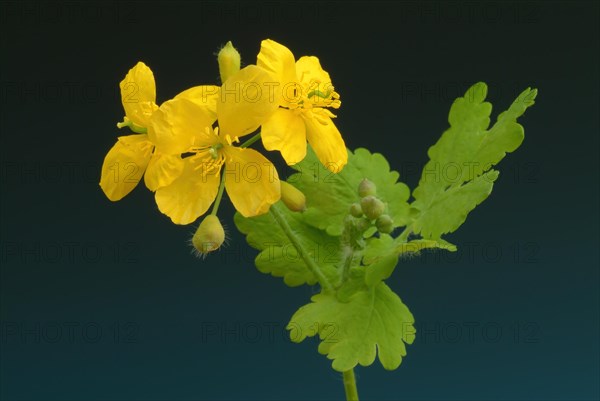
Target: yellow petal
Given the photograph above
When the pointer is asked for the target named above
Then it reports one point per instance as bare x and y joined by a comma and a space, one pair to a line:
205, 96
124, 165
162, 170
247, 100
181, 123
285, 131
138, 94
311, 74
189, 196
278, 60
325, 139
251, 181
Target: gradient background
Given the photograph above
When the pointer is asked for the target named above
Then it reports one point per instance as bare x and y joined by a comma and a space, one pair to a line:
104, 301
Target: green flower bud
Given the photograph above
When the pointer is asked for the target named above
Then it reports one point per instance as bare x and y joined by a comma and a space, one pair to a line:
355, 210
372, 207
366, 188
229, 61
292, 197
209, 236
384, 224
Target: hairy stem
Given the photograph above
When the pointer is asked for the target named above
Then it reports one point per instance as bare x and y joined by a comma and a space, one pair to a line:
304, 254
350, 385
346, 266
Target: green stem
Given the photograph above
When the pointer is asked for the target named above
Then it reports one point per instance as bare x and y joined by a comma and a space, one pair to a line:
128, 123
219, 196
310, 263
350, 385
346, 267
250, 141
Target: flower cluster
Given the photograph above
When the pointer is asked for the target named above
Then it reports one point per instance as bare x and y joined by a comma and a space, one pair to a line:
188, 149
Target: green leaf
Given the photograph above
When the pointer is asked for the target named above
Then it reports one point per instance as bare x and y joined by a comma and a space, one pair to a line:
354, 283
279, 256
418, 245
450, 208
372, 322
380, 270
329, 195
378, 247
454, 180
385, 245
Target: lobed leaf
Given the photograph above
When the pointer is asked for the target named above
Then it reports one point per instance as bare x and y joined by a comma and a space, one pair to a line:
279, 257
451, 184
373, 322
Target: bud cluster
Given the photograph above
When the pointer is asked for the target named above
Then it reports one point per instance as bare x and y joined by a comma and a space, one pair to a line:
370, 209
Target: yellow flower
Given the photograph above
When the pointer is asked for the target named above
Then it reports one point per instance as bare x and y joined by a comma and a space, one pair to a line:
241, 105
132, 155
306, 92
138, 95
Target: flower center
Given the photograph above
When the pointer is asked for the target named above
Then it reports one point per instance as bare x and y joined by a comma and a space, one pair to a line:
208, 157
316, 94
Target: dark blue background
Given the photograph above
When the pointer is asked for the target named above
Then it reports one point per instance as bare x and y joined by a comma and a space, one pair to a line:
105, 301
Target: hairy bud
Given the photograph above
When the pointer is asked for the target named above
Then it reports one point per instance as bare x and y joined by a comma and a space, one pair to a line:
209, 236
366, 188
384, 224
229, 61
355, 210
372, 207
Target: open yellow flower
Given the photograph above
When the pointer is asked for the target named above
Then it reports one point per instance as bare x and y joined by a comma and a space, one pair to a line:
242, 104
134, 156
306, 93
129, 158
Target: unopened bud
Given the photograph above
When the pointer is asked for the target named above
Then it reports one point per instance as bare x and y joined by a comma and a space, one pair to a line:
292, 197
229, 61
209, 236
384, 224
372, 207
355, 210
366, 188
